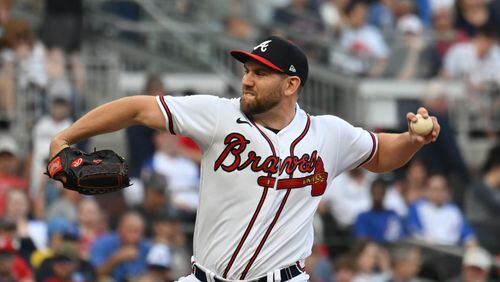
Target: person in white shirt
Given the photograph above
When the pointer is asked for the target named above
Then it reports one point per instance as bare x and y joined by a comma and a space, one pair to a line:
478, 63
43, 131
364, 44
436, 219
349, 196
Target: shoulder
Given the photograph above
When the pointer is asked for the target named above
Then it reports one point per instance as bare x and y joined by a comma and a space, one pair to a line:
329, 120
460, 48
108, 240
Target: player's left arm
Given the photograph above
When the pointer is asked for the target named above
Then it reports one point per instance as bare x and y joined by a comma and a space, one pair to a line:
395, 150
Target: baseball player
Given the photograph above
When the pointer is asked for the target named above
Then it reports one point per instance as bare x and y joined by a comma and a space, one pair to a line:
266, 162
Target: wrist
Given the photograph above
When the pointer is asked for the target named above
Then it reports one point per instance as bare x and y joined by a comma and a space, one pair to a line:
413, 140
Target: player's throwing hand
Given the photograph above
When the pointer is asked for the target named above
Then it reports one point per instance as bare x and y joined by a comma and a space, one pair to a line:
422, 127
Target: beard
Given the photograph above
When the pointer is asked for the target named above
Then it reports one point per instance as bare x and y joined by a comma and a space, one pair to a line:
259, 103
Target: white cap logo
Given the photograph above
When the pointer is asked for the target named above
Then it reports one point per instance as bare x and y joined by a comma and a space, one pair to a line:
263, 46
292, 69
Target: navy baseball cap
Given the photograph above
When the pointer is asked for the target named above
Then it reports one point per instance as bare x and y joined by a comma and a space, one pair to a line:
278, 54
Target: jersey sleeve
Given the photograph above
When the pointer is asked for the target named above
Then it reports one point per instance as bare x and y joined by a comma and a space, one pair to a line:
356, 146
192, 116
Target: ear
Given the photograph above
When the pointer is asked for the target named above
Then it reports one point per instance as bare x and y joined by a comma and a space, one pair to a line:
292, 85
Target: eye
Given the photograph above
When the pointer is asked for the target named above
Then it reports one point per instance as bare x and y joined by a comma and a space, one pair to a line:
260, 72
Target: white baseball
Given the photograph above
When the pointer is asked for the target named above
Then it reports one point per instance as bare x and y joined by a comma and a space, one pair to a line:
423, 126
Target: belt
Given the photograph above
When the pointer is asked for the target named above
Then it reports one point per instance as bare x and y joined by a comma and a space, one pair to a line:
287, 273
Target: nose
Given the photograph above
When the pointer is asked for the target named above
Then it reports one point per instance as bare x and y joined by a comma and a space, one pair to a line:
247, 79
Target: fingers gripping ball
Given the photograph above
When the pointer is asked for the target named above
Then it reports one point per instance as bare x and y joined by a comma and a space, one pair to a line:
423, 126
96, 173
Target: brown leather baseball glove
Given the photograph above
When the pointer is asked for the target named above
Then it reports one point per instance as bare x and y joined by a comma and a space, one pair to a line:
96, 173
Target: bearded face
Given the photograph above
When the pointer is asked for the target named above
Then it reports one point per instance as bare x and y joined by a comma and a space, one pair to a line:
261, 89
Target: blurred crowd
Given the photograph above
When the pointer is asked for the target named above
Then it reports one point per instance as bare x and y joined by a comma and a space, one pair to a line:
396, 39
368, 227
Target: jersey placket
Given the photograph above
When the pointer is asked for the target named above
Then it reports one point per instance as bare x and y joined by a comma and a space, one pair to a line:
275, 186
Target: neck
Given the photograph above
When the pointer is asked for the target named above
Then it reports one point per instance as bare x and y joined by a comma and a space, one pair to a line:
278, 117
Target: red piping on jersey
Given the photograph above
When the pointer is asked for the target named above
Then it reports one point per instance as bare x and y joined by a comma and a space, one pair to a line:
374, 146
266, 235
169, 115
298, 139
247, 231
256, 212
283, 202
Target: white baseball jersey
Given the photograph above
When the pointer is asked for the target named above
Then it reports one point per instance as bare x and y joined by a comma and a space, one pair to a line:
259, 190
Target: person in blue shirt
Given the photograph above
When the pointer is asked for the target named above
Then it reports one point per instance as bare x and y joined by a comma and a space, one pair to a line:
436, 219
122, 254
379, 224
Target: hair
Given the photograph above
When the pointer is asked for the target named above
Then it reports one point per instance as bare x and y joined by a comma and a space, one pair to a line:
402, 252
352, 4
488, 30
17, 31
359, 247
343, 262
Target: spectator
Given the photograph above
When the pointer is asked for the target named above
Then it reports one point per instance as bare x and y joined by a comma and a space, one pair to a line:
43, 131
182, 173
156, 200
408, 59
349, 195
65, 207
332, 14
6, 75
65, 265
90, 222
140, 146
470, 15
364, 44
436, 219
443, 37
379, 224
406, 261
443, 155
122, 255
12, 267
159, 263
59, 231
483, 202
415, 180
17, 208
478, 63
168, 234
372, 262
476, 266
9, 162
25, 52
344, 269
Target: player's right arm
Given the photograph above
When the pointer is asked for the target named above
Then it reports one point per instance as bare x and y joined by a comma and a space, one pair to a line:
111, 117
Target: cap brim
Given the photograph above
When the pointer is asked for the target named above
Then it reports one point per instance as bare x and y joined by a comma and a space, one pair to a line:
243, 57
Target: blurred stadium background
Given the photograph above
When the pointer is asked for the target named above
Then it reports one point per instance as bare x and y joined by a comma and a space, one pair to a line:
371, 61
